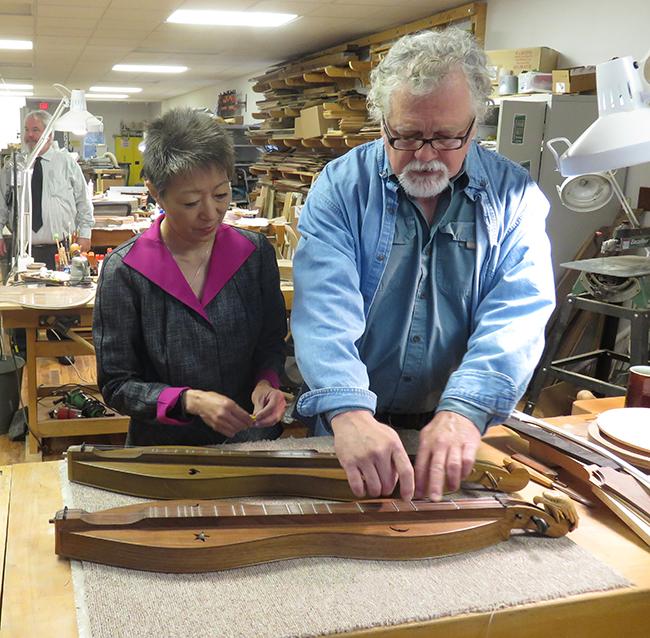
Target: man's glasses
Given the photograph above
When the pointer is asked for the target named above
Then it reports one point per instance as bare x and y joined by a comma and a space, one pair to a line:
439, 143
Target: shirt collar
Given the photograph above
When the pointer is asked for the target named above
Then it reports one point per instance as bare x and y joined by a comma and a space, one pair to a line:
48, 155
150, 257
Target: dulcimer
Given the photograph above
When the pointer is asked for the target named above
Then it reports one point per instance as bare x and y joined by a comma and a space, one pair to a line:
174, 472
200, 536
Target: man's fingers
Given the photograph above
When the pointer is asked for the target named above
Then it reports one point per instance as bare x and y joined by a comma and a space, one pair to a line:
405, 474
371, 479
468, 458
356, 481
453, 468
437, 474
385, 473
422, 462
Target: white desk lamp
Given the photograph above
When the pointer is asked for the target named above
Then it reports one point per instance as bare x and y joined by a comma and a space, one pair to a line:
78, 121
620, 137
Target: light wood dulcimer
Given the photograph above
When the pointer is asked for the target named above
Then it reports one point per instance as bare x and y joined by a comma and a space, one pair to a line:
199, 536
174, 472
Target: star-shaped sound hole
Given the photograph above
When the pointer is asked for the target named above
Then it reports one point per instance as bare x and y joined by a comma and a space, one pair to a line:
201, 536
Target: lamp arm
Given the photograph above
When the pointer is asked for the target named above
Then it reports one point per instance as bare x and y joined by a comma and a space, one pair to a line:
623, 201
549, 145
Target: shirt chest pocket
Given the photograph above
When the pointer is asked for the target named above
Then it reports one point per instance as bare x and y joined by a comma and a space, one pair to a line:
456, 257
404, 230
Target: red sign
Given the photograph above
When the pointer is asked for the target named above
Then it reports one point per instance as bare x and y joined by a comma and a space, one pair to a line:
43, 106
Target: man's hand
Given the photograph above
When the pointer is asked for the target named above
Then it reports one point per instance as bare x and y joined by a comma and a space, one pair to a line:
3, 247
84, 244
448, 447
219, 412
372, 455
269, 404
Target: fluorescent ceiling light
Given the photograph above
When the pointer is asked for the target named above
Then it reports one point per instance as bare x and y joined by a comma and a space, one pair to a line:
106, 96
115, 89
6, 86
231, 18
149, 68
16, 44
16, 93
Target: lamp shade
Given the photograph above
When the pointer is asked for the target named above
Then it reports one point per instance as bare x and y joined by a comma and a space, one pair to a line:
586, 193
78, 120
621, 134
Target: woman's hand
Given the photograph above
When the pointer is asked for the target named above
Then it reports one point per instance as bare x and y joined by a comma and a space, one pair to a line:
219, 412
269, 404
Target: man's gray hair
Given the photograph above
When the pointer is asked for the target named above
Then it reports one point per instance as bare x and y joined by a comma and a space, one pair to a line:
183, 140
43, 116
419, 62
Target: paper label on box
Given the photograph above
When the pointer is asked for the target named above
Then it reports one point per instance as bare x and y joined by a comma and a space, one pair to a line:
560, 87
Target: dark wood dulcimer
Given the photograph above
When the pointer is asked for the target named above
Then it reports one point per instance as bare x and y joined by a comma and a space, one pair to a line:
200, 536
174, 472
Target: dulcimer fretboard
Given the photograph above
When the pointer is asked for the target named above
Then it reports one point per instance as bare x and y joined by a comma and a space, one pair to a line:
245, 514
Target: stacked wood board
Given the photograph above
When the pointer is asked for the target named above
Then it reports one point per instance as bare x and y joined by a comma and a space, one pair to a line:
336, 82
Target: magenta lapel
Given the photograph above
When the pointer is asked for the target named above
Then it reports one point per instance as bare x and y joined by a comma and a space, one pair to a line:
229, 252
151, 258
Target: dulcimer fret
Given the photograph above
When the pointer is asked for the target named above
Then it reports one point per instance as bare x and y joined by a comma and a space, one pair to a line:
219, 514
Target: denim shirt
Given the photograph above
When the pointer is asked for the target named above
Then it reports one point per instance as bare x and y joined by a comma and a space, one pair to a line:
348, 226
409, 355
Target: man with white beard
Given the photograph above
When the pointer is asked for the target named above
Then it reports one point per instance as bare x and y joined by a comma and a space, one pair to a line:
423, 279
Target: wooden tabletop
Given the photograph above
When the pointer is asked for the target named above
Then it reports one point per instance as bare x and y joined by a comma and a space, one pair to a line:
38, 597
53, 297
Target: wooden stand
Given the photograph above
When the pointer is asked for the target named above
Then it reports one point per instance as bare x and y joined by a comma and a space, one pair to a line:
40, 426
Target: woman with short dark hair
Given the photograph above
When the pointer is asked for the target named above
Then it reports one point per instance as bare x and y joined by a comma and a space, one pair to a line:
189, 322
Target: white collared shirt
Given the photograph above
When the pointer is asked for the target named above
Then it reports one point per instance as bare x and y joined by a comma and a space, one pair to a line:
65, 202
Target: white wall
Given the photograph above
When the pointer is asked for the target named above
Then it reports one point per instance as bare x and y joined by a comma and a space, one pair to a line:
116, 112
10, 124
583, 31
207, 97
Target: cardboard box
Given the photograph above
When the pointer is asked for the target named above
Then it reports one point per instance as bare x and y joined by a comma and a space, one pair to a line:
311, 122
578, 79
518, 60
535, 82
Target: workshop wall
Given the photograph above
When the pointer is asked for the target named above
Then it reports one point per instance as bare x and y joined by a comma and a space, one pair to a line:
585, 32
207, 96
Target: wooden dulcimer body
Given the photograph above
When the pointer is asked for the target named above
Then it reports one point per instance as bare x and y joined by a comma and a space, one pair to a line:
198, 536
176, 472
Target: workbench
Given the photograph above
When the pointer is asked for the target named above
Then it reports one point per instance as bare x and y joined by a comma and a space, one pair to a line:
38, 596
15, 315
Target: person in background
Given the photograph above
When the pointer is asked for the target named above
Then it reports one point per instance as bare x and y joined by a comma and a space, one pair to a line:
60, 202
189, 324
423, 278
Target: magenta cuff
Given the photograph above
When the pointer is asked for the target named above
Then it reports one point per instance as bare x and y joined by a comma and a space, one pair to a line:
167, 401
268, 375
